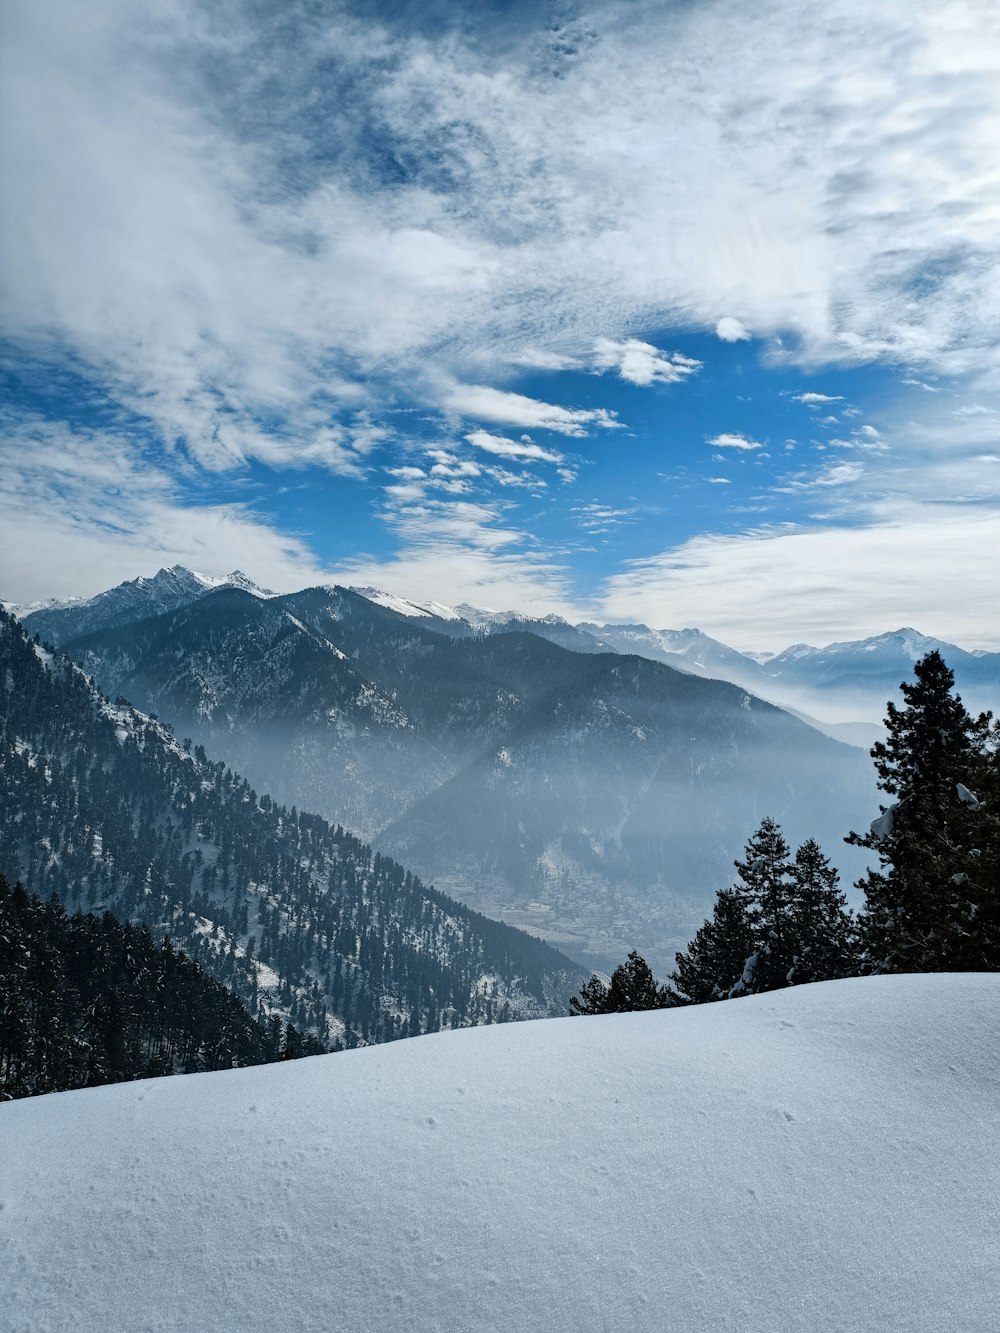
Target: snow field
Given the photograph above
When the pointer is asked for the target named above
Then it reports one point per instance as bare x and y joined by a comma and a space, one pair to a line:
824, 1158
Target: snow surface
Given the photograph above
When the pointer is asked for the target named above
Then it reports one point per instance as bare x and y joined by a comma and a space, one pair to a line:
825, 1158
404, 607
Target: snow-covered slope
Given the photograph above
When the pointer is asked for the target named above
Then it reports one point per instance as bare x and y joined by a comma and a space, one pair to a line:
404, 607
822, 1158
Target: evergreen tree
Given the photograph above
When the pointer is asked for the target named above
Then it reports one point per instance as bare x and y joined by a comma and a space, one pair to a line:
714, 960
822, 930
932, 904
781, 924
633, 988
86, 1000
767, 888
593, 998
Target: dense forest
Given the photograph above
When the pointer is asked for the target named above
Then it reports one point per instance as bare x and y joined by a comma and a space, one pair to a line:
103, 807
931, 905
90, 999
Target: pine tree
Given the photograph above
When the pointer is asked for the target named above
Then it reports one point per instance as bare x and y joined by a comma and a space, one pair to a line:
931, 906
593, 998
822, 930
714, 960
767, 888
633, 988
781, 924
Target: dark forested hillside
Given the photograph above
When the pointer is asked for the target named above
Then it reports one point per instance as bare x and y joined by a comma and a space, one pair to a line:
102, 806
595, 797
88, 999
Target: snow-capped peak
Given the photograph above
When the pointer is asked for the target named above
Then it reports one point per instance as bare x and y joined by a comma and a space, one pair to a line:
404, 607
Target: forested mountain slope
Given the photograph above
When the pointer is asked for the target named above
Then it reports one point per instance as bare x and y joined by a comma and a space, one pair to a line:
102, 806
90, 999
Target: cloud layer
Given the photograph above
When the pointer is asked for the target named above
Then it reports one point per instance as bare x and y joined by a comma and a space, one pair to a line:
196, 209
269, 236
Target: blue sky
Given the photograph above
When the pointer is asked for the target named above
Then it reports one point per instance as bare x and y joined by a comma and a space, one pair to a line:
675, 313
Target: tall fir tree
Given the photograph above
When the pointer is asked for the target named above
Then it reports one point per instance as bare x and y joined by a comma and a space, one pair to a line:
932, 904
783, 923
767, 886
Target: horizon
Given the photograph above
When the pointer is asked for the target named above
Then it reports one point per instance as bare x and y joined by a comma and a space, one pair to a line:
434, 606
676, 315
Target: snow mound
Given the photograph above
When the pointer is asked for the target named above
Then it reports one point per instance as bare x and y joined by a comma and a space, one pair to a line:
822, 1158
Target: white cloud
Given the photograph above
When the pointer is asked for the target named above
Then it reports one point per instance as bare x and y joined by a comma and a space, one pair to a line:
731, 330
266, 263
925, 565
504, 447
596, 517
641, 363
90, 511
816, 399
521, 480
719, 481
537, 358
516, 409
729, 440
244, 260
463, 550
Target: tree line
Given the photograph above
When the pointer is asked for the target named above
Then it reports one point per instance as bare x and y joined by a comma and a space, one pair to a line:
932, 904
89, 999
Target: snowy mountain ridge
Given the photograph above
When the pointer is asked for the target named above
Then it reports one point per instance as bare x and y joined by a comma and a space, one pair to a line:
57, 621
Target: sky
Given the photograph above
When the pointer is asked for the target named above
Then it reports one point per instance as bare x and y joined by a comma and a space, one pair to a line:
684, 313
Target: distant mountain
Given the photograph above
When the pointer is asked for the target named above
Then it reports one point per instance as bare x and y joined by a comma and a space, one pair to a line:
102, 806
577, 638
55, 622
596, 799
857, 677
843, 683
686, 649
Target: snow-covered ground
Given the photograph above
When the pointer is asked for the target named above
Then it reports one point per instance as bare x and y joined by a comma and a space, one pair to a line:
821, 1159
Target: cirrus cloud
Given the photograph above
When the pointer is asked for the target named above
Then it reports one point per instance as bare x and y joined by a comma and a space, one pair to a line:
516, 409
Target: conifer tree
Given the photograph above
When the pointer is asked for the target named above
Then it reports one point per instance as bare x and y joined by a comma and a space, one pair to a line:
714, 960
767, 887
633, 988
781, 924
822, 930
931, 906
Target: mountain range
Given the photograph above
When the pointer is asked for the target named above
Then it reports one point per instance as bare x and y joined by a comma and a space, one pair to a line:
595, 797
102, 806
840, 688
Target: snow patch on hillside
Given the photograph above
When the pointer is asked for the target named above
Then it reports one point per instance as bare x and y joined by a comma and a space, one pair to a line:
404, 607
